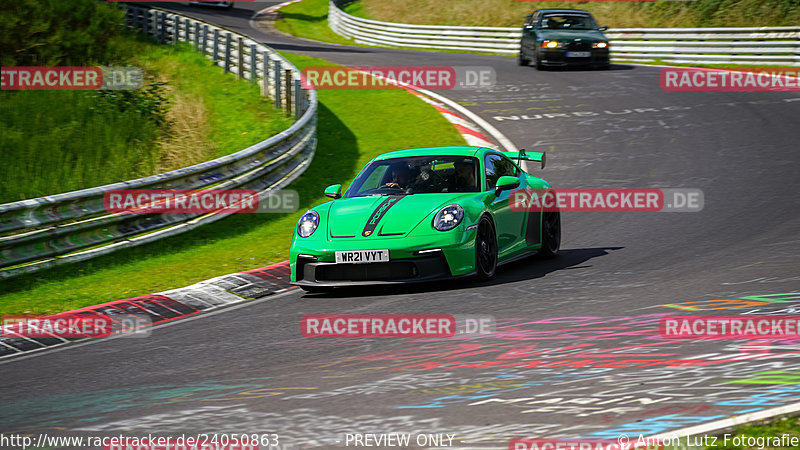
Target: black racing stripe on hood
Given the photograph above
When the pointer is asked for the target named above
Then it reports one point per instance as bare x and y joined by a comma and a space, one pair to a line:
378, 214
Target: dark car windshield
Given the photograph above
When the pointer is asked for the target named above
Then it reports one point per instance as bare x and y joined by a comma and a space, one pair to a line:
417, 175
565, 21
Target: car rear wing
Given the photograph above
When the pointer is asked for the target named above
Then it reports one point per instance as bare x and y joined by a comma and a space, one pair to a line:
522, 155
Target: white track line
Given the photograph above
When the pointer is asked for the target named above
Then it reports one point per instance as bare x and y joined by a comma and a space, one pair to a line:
730, 422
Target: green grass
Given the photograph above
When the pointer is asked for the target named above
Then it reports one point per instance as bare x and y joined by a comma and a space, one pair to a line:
509, 13
768, 429
238, 116
353, 127
60, 141
309, 19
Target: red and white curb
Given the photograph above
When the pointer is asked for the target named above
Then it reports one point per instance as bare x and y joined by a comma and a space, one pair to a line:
472, 133
276, 7
163, 307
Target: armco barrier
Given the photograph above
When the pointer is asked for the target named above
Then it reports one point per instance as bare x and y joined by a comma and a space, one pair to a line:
749, 46
42, 232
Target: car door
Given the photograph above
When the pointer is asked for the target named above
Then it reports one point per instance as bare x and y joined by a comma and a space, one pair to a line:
510, 226
529, 33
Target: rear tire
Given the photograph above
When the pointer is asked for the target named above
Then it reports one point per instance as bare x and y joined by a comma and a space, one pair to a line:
551, 235
485, 250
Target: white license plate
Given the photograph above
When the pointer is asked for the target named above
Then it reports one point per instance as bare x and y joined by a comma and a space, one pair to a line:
579, 54
362, 256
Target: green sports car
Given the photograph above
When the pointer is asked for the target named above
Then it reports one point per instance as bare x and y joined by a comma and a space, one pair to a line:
420, 215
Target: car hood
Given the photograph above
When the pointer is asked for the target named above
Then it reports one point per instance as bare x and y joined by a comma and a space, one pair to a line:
564, 35
392, 216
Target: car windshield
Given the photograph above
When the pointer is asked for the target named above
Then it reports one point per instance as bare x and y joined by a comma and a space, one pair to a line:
416, 175
568, 22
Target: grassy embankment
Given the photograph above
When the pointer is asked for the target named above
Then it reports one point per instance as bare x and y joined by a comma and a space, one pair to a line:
353, 127
198, 114
59, 141
511, 13
309, 18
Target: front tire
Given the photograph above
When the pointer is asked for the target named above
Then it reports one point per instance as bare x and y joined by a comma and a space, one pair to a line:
485, 250
551, 235
522, 60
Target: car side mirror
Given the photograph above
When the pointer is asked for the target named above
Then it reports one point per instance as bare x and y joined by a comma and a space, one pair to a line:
603, 28
334, 191
505, 183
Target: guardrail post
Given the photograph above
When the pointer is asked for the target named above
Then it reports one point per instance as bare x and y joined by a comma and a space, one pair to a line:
204, 41
162, 32
265, 72
277, 80
228, 44
240, 59
253, 64
298, 99
215, 56
287, 81
197, 37
176, 29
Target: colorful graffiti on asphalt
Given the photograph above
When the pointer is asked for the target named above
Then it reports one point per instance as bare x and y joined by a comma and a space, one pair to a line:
609, 375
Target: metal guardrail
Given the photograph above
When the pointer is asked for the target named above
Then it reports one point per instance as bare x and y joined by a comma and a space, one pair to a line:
373, 32
755, 45
56, 229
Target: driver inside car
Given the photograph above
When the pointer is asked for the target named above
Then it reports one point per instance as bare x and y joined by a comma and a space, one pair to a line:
400, 177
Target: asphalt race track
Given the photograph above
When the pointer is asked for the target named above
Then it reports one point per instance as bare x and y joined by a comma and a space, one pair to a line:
577, 350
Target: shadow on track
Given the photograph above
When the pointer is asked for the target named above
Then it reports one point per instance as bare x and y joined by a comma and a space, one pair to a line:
528, 268
612, 68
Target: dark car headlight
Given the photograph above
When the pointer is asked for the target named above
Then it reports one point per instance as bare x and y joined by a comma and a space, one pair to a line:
308, 224
552, 44
600, 45
448, 218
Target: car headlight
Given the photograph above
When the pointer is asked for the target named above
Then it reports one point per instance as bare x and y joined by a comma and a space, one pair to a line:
552, 44
308, 224
600, 45
448, 218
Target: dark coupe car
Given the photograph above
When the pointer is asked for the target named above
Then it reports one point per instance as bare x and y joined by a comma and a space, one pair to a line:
563, 37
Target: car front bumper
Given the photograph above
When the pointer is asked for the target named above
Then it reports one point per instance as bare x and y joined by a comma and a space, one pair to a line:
558, 58
435, 257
